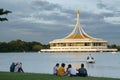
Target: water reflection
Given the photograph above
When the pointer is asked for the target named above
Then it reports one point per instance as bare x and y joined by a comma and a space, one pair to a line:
89, 65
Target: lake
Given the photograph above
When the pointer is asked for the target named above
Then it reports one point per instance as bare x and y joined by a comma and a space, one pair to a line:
106, 64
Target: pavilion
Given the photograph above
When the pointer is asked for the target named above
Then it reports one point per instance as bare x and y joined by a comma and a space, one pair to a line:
78, 41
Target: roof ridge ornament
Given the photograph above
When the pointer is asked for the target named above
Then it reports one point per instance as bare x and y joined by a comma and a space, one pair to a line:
78, 32
78, 11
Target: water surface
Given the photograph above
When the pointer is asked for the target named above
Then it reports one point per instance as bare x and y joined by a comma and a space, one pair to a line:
106, 64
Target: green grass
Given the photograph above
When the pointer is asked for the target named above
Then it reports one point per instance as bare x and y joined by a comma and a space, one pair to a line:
37, 76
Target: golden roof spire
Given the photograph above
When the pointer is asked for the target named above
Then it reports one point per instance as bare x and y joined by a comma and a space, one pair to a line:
78, 11
78, 32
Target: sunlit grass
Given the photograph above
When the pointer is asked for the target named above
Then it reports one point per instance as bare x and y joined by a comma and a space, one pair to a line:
37, 76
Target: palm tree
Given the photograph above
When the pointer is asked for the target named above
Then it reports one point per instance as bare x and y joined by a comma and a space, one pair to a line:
3, 12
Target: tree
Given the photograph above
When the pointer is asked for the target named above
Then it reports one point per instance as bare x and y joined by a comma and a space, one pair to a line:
3, 12
37, 47
21, 46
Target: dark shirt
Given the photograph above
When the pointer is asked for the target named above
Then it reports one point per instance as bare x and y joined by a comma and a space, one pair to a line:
82, 72
12, 67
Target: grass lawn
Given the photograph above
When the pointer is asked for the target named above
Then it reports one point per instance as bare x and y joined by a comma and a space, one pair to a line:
38, 76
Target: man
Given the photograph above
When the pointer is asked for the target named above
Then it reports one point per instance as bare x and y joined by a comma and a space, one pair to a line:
82, 71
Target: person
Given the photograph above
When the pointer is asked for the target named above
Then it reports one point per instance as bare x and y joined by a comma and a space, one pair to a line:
91, 56
55, 69
82, 71
61, 70
71, 71
12, 67
18, 67
87, 57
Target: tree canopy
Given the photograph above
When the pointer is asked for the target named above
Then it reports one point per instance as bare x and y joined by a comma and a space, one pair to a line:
21, 46
4, 12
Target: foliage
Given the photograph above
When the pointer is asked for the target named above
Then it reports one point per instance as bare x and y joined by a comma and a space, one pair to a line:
3, 12
37, 76
37, 47
114, 46
21, 46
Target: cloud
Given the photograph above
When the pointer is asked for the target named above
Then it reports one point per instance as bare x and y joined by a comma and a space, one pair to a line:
41, 14
112, 20
109, 12
101, 5
44, 5
43, 21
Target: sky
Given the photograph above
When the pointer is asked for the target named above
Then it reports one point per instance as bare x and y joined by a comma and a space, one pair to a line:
46, 20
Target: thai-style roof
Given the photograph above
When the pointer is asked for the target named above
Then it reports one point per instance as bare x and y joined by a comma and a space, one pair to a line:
78, 32
77, 36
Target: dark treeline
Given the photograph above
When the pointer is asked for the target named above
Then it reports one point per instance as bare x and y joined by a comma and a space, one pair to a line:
21, 46
114, 46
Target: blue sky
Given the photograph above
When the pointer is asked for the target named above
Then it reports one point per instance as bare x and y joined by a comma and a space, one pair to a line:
46, 20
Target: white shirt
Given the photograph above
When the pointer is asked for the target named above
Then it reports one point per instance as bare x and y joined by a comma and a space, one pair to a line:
55, 69
72, 71
16, 68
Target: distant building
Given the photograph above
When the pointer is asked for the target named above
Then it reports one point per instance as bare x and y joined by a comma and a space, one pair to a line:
78, 41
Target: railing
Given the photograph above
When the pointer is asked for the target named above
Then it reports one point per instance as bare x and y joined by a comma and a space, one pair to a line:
80, 47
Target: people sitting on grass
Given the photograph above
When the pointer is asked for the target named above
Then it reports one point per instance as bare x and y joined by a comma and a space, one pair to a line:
70, 71
55, 69
82, 71
16, 67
